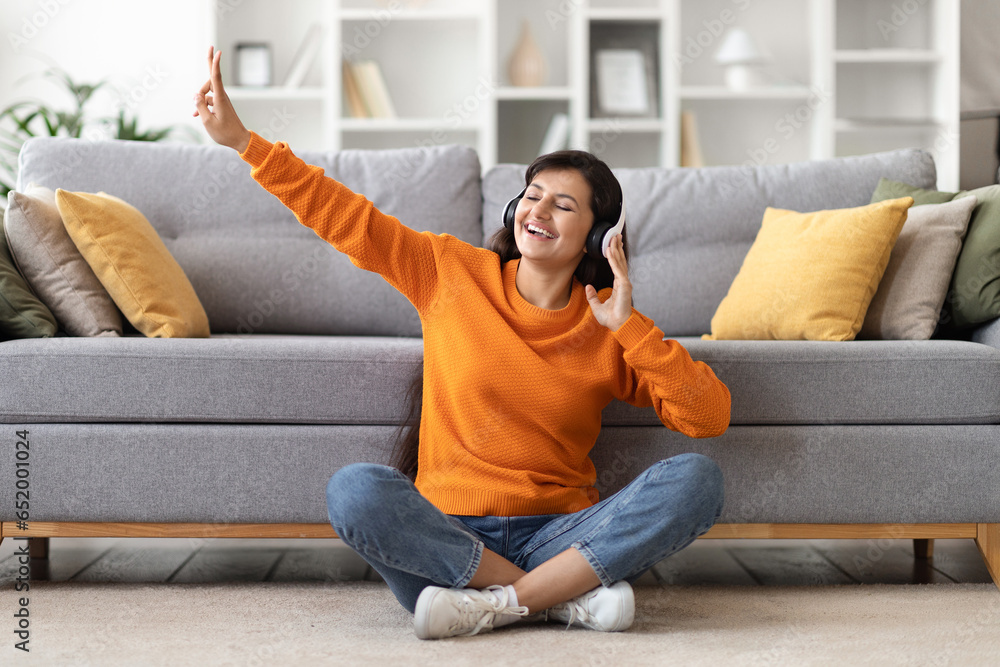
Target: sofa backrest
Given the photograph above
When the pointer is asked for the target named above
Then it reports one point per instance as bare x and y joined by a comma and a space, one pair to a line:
690, 229
254, 267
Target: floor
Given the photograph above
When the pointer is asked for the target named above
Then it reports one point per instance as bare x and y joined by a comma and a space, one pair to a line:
718, 562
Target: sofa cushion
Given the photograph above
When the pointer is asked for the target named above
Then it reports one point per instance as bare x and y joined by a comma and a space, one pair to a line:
974, 292
133, 265
689, 229
227, 378
811, 276
889, 189
854, 382
254, 267
245, 473
910, 295
52, 264
363, 380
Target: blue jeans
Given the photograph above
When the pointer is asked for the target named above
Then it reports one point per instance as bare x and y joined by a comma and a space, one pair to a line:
380, 514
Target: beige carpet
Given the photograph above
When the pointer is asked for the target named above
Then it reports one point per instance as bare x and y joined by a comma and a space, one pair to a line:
361, 623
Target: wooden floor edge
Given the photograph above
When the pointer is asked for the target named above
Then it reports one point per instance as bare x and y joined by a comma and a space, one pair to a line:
323, 530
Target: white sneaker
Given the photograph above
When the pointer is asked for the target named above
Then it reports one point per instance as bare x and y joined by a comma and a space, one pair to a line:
610, 609
452, 612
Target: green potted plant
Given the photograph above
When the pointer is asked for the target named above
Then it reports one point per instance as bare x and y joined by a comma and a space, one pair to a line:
22, 120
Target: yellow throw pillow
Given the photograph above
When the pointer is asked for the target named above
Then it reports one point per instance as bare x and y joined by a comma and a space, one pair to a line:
810, 276
133, 264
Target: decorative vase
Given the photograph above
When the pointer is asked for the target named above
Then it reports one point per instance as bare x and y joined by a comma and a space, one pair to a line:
526, 66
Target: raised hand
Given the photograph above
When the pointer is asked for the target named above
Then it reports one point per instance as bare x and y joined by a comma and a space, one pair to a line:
614, 312
216, 111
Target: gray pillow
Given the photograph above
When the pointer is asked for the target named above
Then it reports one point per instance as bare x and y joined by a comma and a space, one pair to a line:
913, 288
57, 272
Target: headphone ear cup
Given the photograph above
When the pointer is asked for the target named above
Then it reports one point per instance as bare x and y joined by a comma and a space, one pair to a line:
596, 238
510, 209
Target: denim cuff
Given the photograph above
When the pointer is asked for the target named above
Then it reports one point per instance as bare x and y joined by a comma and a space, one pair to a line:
594, 563
476, 559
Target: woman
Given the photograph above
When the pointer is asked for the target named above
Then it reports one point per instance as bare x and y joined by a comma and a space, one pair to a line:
520, 357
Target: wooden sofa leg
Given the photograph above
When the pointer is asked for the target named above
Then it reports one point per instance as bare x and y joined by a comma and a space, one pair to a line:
923, 549
988, 541
38, 547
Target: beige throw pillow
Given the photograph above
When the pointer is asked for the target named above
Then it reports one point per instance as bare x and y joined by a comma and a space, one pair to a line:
51, 263
132, 262
911, 294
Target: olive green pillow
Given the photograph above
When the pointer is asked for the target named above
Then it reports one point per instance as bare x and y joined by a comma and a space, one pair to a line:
887, 189
22, 315
974, 291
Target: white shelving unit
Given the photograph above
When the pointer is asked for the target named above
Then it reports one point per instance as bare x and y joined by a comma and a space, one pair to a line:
846, 77
897, 80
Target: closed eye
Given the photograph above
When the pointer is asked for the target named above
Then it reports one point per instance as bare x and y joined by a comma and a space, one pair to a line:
564, 208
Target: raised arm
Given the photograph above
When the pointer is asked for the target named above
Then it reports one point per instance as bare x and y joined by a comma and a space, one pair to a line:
348, 221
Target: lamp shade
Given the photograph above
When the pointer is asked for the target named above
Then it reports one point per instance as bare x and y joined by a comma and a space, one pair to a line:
738, 48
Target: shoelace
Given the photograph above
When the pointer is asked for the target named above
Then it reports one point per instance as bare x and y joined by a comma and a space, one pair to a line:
577, 610
470, 607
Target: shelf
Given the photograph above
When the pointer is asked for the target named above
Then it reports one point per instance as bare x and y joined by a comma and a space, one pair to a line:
624, 14
534, 93
274, 93
463, 12
625, 124
839, 80
403, 125
723, 93
917, 56
886, 124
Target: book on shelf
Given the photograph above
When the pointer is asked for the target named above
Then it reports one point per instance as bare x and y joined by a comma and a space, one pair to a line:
557, 134
305, 56
352, 94
366, 76
690, 143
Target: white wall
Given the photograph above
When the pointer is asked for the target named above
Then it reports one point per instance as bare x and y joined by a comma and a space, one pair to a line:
153, 53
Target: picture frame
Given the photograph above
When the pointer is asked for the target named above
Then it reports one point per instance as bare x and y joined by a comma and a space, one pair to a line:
624, 70
253, 64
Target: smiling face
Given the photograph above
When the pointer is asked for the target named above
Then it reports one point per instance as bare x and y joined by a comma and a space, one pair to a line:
554, 217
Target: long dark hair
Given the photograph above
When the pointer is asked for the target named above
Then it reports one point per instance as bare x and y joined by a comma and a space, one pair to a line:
605, 202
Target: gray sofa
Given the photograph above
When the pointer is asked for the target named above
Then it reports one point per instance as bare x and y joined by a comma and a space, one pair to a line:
310, 357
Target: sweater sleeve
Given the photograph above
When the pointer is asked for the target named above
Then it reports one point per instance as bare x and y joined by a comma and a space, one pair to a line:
348, 221
686, 394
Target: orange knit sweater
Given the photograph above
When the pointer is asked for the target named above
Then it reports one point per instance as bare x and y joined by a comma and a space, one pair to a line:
513, 393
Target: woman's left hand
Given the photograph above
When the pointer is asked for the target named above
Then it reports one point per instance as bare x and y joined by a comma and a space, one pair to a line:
614, 312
